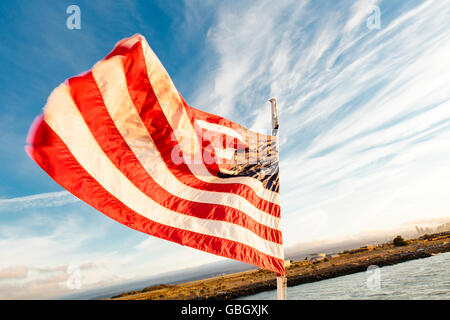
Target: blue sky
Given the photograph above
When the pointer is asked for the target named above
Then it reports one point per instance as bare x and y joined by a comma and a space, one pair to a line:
364, 116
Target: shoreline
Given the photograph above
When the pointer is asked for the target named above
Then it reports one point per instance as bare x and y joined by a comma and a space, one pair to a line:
247, 283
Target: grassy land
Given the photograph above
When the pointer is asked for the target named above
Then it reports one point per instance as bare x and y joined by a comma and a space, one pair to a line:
254, 281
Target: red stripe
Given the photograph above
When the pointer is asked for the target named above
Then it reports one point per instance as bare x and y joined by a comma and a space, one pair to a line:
53, 156
150, 111
212, 118
88, 98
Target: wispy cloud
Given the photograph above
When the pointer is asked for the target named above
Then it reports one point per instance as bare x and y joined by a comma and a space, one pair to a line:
19, 272
42, 200
364, 114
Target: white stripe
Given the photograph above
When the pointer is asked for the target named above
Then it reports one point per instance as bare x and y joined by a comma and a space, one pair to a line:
220, 129
110, 78
178, 119
62, 115
227, 153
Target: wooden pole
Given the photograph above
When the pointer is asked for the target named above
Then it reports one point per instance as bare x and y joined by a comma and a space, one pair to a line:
281, 280
273, 101
281, 287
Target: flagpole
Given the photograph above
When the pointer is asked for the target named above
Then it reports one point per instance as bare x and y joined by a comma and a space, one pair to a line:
273, 101
281, 279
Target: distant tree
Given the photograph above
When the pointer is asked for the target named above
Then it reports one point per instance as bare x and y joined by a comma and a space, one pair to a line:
399, 241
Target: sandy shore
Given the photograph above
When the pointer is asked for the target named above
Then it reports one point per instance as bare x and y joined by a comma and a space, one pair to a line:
255, 281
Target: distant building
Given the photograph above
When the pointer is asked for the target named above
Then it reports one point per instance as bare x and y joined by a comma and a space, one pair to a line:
287, 263
365, 248
369, 247
316, 257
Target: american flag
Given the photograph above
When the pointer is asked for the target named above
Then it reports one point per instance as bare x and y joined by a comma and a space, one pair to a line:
121, 138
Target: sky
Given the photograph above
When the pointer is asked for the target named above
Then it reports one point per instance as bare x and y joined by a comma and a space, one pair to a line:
363, 90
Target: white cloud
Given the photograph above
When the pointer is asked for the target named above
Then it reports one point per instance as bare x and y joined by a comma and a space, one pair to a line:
18, 272
42, 200
353, 104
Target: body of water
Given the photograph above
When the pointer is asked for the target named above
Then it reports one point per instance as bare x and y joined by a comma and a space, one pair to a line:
427, 278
